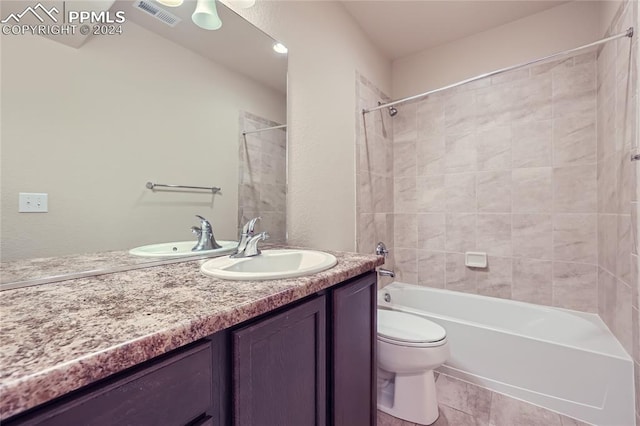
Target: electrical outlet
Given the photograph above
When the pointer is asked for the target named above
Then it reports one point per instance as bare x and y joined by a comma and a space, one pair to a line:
29, 202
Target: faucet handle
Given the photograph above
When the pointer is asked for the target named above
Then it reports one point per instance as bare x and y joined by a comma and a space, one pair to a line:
196, 230
249, 227
204, 223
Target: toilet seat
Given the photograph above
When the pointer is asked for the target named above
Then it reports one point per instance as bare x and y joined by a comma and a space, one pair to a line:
400, 328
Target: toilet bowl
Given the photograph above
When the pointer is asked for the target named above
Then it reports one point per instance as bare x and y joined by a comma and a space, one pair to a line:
409, 349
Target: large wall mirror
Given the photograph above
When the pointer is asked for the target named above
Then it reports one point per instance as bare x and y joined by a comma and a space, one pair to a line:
89, 119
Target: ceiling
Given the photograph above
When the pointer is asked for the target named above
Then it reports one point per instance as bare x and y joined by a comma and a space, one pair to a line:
401, 28
238, 45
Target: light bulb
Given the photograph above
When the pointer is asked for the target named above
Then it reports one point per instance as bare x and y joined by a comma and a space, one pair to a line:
171, 3
280, 48
243, 4
206, 15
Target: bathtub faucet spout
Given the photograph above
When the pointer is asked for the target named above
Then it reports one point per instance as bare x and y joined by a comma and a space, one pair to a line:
386, 273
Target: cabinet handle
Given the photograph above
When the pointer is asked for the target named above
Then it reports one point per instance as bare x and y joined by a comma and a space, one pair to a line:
203, 421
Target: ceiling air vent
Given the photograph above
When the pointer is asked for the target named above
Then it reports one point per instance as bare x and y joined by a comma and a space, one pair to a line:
157, 12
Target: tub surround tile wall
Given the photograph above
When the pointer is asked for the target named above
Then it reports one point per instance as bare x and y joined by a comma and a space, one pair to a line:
262, 183
506, 165
465, 404
618, 187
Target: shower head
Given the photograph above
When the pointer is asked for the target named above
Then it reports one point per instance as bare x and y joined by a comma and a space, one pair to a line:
392, 110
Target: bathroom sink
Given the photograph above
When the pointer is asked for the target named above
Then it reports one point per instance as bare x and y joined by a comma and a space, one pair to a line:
270, 265
182, 248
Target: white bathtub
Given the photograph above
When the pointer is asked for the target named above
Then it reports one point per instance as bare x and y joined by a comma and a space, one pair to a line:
565, 361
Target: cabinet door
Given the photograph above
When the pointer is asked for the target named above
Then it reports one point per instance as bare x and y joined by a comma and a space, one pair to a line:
353, 356
172, 390
280, 368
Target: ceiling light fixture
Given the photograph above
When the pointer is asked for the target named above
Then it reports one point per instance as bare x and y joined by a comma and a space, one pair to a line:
206, 15
280, 48
171, 3
243, 4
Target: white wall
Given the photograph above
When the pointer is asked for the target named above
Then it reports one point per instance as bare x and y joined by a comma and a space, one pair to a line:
566, 26
326, 47
91, 126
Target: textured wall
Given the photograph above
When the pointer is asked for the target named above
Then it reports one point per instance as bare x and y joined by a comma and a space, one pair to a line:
91, 126
326, 48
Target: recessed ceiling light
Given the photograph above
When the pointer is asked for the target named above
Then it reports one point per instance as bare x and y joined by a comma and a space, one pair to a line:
280, 48
171, 3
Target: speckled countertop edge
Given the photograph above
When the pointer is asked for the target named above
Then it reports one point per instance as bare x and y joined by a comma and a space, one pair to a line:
56, 338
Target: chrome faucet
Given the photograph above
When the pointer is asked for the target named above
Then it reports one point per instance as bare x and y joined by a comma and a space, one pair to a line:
251, 248
248, 231
206, 240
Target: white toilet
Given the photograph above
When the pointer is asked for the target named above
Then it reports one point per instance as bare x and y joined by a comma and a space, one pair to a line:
409, 349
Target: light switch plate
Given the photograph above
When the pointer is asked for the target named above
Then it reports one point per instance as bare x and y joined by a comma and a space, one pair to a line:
30, 202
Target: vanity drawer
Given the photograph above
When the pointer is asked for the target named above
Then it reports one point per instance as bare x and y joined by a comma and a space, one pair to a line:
174, 390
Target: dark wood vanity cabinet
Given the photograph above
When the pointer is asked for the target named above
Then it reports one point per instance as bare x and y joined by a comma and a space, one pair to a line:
279, 373
308, 363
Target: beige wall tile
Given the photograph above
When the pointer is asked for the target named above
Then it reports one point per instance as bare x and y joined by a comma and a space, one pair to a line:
606, 297
430, 156
492, 110
532, 281
574, 90
405, 123
404, 199
532, 190
622, 325
431, 194
460, 153
494, 234
460, 192
496, 279
532, 236
607, 242
575, 286
574, 189
532, 144
406, 265
574, 140
430, 120
623, 252
494, 191
460, 232
531, 101
459, 277
459, 113
404, 158
606, 184
431, 268
431, 231
575, 238
494, 148
406, 231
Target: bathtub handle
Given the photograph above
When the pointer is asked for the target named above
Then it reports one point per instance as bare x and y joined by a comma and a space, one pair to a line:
381, 249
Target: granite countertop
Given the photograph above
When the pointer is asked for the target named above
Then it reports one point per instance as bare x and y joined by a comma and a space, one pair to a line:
55, 338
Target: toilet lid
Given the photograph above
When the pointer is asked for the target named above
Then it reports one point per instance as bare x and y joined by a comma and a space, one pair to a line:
408, 328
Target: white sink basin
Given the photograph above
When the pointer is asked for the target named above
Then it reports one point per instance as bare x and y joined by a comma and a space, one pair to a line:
182, 248
270, 265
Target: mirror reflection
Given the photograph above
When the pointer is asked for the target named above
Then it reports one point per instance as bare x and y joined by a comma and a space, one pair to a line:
89, 120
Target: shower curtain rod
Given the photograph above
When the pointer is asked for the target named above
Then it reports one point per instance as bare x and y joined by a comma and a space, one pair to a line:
246, 132
627, 33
